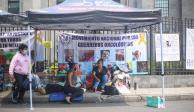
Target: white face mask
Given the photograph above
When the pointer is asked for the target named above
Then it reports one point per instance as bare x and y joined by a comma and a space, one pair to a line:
25, 52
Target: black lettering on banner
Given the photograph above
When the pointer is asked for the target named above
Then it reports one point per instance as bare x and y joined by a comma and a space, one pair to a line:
130, 44
126, 37
115, 44
134, 37
111, 38
87, 44
79, 44
85, 38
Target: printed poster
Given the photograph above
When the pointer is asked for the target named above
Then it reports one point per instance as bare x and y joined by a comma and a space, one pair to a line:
171, 47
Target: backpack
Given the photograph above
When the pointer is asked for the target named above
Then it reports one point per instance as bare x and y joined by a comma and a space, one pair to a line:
110, 90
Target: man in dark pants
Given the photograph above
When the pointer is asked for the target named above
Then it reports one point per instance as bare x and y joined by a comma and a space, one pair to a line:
19, 91
18, 70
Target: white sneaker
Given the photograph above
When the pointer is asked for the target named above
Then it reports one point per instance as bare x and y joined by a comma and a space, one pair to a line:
83, 89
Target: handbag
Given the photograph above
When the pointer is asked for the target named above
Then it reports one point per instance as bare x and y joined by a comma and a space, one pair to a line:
110, 90
89, 81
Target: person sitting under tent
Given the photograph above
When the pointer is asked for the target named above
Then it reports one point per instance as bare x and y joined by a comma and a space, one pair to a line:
38, 87
101, 76
72, 87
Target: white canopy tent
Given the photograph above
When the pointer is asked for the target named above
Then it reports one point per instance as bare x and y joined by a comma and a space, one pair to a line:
94, 14
91, 14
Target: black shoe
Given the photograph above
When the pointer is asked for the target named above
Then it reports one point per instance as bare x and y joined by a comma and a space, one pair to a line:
13, 99
22, 102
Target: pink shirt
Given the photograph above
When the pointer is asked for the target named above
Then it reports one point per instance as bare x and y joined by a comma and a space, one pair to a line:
19, 64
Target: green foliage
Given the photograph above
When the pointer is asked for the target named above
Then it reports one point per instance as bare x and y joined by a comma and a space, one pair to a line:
9, 55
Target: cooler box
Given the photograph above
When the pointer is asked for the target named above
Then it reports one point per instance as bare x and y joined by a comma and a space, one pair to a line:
154, 102
60, 96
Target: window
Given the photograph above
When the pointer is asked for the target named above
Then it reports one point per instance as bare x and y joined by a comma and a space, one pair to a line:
163, 5
60, 1
14, 6
119, 1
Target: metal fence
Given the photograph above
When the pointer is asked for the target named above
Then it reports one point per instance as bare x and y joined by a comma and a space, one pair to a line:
170, 25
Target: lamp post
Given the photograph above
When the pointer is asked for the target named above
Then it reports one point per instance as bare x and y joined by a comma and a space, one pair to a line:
48, 3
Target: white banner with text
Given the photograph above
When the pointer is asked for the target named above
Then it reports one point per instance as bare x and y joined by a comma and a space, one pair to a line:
12, 39
171, 47
190, 49
129, 49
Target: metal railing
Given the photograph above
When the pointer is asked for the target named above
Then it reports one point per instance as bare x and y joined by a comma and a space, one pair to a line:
170, 25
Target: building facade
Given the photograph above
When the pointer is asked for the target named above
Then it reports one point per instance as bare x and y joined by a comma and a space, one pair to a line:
170, 8
20, 6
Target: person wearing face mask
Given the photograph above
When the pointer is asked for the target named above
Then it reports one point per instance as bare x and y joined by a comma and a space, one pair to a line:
18, 71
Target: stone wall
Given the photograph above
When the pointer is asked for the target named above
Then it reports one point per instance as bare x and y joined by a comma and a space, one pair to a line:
155, 81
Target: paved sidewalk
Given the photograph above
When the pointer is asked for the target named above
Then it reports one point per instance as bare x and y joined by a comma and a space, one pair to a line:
171, 94
167, 91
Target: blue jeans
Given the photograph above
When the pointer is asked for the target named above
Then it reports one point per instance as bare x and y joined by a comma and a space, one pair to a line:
102, 82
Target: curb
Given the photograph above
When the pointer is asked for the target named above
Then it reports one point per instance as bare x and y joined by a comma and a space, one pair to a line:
97, 98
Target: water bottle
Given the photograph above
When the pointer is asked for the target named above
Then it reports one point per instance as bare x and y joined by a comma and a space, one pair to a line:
135, 86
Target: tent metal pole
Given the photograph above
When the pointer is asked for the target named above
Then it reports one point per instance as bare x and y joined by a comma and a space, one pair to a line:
35, 51
30, 74
162, 64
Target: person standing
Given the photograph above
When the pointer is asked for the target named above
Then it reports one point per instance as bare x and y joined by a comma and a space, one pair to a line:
18, 71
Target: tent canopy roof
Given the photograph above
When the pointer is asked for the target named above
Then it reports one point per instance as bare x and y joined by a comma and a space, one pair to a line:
3, 13
7, 19
92, 14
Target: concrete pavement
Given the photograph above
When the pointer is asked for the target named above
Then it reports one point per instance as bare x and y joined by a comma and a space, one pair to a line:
171, 94
171, 106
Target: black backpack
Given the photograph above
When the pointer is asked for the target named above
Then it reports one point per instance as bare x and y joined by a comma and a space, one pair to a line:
110, 90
